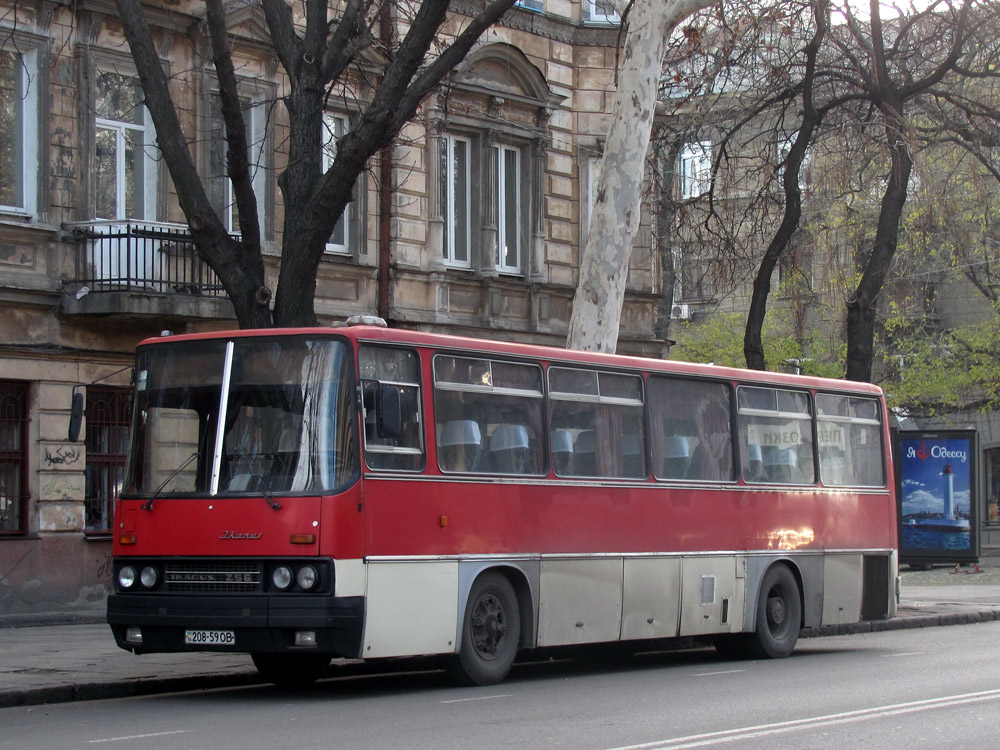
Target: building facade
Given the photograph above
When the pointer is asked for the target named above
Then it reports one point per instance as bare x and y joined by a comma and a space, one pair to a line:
488, 195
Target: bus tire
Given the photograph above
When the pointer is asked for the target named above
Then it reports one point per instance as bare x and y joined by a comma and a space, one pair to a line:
491, 632
779, 614
290, 670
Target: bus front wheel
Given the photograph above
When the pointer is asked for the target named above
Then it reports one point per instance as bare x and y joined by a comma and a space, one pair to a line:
491, 631
779, 614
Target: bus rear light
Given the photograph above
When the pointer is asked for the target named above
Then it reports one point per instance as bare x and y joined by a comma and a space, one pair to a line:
126, 539
133, 635
302, 539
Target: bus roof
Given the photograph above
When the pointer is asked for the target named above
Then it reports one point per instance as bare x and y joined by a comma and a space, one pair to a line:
369, 333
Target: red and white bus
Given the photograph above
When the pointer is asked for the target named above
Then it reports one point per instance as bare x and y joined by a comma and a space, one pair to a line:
364, 492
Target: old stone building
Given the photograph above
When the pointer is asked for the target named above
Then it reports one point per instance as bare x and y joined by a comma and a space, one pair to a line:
488, 194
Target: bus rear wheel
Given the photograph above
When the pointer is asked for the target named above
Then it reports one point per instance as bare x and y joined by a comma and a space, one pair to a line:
290, 670
779, 614
491, 632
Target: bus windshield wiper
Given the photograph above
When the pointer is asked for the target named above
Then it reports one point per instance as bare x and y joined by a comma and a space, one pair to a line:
148, 505
267, 491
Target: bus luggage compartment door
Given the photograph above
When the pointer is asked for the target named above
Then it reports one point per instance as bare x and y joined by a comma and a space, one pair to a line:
712, 595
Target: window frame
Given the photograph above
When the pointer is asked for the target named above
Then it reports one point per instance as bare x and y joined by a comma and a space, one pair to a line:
694, 168
27, 53
503, 197
256, 101
14, 415
417, 455
335, 126
101, 495
598, 399
148, 209
487, 387
590, 14
723, 387
848, 420
743, 425
448, 196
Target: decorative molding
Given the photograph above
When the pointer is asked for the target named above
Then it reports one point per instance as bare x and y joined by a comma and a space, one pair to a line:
547, 26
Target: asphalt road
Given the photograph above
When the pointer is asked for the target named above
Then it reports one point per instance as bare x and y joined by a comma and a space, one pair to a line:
923, 688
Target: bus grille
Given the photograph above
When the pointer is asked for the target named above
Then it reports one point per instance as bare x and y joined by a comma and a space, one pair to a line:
215, 576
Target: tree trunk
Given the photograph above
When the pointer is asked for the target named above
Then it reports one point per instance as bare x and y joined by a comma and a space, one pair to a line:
600, 293
753, 344
862, 306
241, 272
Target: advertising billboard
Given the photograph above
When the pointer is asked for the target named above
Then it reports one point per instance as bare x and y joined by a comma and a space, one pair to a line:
937, 494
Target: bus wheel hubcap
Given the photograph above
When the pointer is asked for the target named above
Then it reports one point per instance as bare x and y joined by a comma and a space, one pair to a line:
488, 626
775, 611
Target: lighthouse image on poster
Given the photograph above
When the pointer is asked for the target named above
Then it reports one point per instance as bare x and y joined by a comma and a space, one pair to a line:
936, 494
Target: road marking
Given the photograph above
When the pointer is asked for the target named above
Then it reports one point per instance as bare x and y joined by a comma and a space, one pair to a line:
904, 653
140, 736
712, 674
479, 698
781, 727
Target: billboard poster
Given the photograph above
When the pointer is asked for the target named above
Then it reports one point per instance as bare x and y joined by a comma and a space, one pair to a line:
936, 491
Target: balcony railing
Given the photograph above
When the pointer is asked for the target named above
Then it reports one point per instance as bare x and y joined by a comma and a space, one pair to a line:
158, 258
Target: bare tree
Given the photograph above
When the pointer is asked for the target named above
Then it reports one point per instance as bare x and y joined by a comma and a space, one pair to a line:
314, 56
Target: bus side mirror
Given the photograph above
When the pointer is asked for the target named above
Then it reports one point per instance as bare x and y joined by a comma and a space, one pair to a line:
75, 416
389, 416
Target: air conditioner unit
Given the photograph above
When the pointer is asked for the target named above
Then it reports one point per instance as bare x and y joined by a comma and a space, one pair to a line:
681, 312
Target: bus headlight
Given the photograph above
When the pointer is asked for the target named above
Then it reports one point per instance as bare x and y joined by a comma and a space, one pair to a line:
306, 577
149, 577
282, 577
126, 577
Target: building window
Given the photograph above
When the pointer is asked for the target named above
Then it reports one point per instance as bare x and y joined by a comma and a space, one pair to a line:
456, 182
220, 187
599, 11
125, 153
336, 126
107, 447
529, 4
694, 167
18, 131
508, 192
13, 457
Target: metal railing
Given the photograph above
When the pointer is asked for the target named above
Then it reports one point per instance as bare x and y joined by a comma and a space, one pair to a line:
160, 258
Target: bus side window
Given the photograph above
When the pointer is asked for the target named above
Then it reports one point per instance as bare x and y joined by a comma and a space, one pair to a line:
776, 424
849, 431
691, 429
488, 415
603, 412
390, 398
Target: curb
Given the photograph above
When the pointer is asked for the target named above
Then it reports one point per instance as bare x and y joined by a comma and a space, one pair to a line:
95, 691
154, 686
905, 622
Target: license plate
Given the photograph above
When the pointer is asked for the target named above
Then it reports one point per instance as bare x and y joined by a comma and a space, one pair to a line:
209, 638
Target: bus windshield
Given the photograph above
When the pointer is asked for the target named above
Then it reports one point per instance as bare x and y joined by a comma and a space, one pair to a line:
244, 416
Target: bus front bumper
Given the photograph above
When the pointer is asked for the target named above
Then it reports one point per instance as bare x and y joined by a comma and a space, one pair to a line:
240, 624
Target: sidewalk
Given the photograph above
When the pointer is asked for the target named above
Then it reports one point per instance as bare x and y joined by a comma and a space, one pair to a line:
59, 663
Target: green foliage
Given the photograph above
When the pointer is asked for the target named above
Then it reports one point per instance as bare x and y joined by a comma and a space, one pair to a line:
719, 340
933, 374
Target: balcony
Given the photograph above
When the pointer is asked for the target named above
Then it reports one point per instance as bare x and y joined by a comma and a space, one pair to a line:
145, 270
